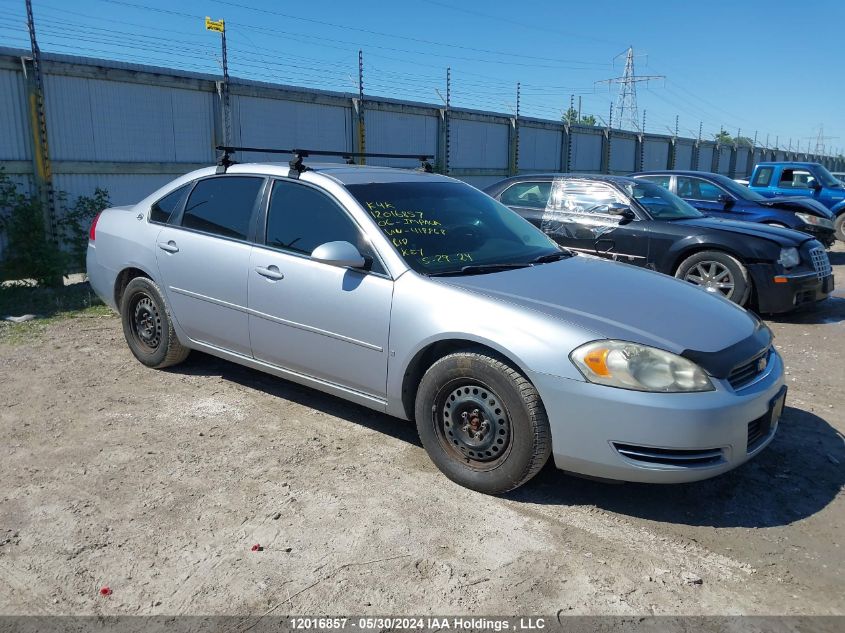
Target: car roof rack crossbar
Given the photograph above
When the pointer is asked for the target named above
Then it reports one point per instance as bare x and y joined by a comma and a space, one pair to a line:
296, 164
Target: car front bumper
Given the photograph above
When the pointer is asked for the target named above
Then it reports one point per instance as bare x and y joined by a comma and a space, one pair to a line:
659, 437
799, 290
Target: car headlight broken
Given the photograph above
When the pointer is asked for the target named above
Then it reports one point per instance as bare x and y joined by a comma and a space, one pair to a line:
639, 367
789, 257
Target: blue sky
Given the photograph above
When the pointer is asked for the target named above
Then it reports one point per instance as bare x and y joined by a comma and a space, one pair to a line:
773, 67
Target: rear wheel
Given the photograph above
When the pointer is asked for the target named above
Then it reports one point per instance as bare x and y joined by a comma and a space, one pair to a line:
147, 325
481, 422
839, 225
717, 272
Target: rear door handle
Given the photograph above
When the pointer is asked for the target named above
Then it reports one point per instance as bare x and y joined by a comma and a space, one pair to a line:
170, 246
271, 272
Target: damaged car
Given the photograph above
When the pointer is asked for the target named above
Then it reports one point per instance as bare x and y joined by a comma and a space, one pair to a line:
767, 268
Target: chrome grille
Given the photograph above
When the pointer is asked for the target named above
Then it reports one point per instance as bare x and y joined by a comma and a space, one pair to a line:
747, 372
821, 263
682, 458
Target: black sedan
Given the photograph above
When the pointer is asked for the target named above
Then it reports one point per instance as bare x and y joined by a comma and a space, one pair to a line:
721, 197
768, 268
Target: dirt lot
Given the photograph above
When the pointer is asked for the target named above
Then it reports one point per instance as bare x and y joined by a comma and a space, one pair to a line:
157, 484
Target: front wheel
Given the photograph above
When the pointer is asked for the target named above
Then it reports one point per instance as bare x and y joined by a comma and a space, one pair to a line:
148, 327
839, 226
482, 422
717, 272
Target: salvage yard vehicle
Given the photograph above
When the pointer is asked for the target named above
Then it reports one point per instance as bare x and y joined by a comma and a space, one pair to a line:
720, 197
768, 268
419, 296
775, 179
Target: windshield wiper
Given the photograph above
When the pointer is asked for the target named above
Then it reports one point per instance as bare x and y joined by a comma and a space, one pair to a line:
552, 257
479, 269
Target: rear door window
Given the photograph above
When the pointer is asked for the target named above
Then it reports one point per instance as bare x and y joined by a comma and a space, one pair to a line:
222, 206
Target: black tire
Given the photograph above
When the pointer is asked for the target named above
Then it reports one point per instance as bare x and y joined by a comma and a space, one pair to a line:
727, 270
148, 327
839, 227
512, 440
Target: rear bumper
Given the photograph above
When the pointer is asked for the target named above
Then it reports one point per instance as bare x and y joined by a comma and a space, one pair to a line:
100, 278
603, 432
800, 289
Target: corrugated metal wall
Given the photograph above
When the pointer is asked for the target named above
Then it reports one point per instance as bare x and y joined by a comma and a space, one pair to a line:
478, 144
623, 154
585, 151
539, 148
15, 142
390, 132
265, 122
684, 154
655, 153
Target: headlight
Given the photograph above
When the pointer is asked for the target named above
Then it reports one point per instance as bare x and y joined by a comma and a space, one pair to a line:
638, 367
789, 257
815, 220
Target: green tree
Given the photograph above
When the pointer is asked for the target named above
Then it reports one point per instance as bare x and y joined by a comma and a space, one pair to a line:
723, 138
570, 117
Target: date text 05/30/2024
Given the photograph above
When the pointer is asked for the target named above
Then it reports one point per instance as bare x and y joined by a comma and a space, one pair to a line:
416, 623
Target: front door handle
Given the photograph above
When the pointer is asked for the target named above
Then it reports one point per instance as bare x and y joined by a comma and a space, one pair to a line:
170, 246
271, 272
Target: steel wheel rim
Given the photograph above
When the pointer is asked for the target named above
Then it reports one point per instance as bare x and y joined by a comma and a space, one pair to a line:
712, 276
473, 424
146, 322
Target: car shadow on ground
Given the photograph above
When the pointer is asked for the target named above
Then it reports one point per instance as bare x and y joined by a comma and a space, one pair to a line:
200, 364
831, 310
796, 476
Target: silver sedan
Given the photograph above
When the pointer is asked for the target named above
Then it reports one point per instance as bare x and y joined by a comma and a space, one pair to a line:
417, 295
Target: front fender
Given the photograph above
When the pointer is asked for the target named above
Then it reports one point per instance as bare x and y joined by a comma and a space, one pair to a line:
744, 248
838, 209
426, 312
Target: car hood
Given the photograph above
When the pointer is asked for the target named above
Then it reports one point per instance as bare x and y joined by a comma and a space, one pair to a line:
798, 203
776, 234
619, 301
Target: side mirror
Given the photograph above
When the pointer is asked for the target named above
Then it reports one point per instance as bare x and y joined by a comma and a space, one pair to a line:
726, 200
815, 185
622, 210
342, 254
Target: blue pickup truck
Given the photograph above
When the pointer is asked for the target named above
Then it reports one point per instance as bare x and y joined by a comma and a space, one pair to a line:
802, 179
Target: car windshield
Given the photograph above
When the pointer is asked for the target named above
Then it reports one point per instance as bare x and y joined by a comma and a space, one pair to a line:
738, 190
825, 178
660, 203
450, 227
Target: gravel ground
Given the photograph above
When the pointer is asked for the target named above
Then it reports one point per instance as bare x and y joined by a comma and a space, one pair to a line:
158, 483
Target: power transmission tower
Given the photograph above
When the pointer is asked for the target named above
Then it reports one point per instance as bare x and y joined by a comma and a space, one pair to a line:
820, 139
626, 101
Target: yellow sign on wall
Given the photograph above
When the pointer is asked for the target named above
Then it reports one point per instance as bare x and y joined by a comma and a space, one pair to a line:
215, 25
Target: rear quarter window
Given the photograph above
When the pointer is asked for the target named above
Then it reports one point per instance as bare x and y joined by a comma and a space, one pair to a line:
161, 210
